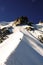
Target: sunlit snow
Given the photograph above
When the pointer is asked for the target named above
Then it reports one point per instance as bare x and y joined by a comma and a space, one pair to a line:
21, 48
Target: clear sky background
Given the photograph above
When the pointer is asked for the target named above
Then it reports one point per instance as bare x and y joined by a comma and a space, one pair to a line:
11, 9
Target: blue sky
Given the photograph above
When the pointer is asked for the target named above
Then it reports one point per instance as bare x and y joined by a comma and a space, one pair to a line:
11, 9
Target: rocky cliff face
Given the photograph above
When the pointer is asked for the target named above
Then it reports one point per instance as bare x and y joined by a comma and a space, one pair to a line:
21, 21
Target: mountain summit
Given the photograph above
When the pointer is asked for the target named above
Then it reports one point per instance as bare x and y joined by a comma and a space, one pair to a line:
21, 43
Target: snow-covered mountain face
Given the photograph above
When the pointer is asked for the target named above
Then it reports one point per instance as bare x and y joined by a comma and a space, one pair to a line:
36, 29
23, 46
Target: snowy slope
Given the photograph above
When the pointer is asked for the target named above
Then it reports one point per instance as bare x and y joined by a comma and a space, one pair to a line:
21, 48
9, 45
39, 27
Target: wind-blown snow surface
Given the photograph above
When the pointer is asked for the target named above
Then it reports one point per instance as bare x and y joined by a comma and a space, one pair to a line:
21, 48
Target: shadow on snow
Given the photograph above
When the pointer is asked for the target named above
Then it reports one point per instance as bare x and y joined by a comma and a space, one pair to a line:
24, 55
